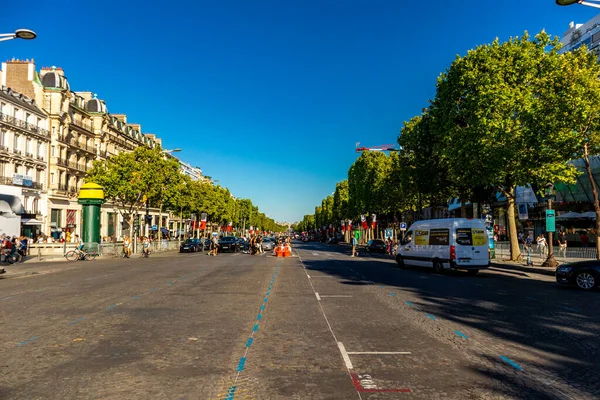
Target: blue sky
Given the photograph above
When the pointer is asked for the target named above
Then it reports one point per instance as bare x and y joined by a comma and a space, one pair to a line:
269, 97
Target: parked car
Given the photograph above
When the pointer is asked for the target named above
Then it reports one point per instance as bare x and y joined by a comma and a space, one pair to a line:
267, 244
228, 244
242, 244
190, 246
583, 274
376, 246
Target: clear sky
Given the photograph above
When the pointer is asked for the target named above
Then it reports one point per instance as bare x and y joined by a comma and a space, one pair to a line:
268, 97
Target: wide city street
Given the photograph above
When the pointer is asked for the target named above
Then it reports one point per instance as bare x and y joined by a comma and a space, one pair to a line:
318, 325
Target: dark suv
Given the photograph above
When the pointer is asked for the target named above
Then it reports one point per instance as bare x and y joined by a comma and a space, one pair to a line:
228, 243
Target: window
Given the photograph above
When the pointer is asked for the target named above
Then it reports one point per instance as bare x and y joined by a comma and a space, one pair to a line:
3, 108
55, 218
52, 177
439, 237
40, 150
464, 237
53, 149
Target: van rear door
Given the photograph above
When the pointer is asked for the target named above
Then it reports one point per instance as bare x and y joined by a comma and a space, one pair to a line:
471, 245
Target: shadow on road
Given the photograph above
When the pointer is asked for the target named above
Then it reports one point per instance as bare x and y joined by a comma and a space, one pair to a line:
551, 327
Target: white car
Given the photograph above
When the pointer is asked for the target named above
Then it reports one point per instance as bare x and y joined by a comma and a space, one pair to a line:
267, 244
451, 243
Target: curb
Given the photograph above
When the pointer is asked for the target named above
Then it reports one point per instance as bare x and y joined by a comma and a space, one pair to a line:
522, 268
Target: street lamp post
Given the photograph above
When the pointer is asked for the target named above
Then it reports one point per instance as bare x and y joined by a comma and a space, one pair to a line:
591, 3
550, 260
25, 34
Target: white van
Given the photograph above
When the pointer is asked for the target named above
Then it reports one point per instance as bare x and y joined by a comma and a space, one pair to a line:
451, 243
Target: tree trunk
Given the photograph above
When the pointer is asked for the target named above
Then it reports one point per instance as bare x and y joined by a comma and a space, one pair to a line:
463, 205
588, 169
515, 251
132, 232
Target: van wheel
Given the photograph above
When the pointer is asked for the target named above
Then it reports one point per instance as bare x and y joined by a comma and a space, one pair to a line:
400, 262
472, 271
438, 267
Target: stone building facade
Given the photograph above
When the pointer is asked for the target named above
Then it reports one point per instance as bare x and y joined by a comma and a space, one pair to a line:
65, 131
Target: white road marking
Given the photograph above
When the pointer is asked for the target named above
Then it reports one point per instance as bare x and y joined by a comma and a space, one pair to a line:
318, 297
315, 254
379, 352
345, 356
307, 274
323, 276
335, 295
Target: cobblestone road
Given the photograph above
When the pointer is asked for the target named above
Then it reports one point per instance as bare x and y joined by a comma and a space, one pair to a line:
320, 325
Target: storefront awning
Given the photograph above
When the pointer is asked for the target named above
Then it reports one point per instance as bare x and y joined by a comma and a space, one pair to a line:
30, 221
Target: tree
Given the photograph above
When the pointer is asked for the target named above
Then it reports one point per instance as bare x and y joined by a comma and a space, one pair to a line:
579, 106
127, 180
495, 108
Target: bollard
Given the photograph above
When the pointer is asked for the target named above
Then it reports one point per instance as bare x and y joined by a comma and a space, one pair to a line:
39, 254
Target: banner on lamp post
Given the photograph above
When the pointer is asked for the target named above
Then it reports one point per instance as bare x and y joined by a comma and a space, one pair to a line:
374, 221
363, 220
203, 221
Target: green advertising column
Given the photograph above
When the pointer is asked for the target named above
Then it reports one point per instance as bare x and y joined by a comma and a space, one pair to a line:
91, 197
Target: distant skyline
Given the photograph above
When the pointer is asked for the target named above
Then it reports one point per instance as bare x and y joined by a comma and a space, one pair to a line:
269, 97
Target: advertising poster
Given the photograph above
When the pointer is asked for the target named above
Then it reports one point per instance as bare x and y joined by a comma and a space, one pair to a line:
421, 238
479, 237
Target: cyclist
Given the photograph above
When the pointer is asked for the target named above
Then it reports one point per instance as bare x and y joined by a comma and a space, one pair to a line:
79, 244
146, 247
126, 247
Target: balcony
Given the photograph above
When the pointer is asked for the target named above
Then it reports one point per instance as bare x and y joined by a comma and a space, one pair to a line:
40, 158
61, 162
7, 180
83, 125
17, 123
18, 152
3, 148
30, 155
63, 139
73, 189
84, 147
77, 166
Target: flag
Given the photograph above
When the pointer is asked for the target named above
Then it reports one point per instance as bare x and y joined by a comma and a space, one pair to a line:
363, 220
229, 226
331, 228
343, 224
251, 230
374, 221
202, 221
349, 225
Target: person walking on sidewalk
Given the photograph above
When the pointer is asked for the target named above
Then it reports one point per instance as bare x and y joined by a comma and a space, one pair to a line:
354, 243
542, 244
562, 246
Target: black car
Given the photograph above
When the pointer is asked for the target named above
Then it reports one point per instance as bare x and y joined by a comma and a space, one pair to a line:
376, 246
583, 274
190, 246
228, 244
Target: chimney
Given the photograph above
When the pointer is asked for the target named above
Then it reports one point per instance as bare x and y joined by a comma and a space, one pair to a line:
18, 75
87, 96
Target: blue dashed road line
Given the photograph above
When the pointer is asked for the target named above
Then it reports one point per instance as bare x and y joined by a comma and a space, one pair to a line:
259, 317
135, 297
392, 294
76, 321
255, 328
430, 316
241, 364
24, 342
111, 307
230, 393
568, 308
511, 363
249, 342
462, 335
409, 303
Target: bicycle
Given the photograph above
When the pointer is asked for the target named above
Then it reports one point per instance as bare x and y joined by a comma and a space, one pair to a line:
76, 255
12, 257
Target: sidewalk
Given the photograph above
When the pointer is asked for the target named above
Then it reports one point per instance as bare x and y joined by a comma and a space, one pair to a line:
520, 266
45, 266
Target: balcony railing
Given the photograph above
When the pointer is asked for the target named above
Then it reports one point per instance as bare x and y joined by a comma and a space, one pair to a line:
82, 146
61, 162
59, 186
7, 180
82, 124
19, 152
30, 155
72, 189
40, 158
63, 139
24, 125
3, 148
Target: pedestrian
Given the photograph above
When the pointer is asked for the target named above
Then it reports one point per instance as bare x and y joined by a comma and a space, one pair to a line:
562, 245
354, 243
542, 244
584, 239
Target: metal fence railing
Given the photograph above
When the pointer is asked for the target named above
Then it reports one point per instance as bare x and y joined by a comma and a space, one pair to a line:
571, 253
116, 249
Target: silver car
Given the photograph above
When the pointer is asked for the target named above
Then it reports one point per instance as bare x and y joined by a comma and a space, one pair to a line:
267, 244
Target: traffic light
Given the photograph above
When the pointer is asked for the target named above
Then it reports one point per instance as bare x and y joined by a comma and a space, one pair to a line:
148, 218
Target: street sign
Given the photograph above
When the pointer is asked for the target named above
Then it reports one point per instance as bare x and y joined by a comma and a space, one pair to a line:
402, 226
389, 233
550, 226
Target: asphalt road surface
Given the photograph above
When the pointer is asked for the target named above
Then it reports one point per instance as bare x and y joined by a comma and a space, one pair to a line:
319, 325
